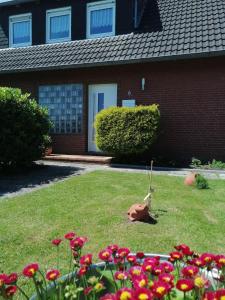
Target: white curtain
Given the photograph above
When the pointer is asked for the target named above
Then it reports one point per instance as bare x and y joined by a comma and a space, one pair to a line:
101, 21
21, 32
59, 27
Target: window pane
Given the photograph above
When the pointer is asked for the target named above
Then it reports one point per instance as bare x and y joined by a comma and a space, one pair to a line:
21, 32
100, 101
65, 106
59, 27
101, 21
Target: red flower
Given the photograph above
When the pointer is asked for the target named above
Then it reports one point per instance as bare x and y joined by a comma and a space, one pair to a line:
11, 279
143, 294
140, 281
210, 296
52, 275
148, 267
113, 248
82, 271
135, 271
10, 291
140, 255
86, 260
158, 270
123, 252
88, 290
184, 249
190, 271
121, 275
220, 260
3, 278
125, 294
131, 259
207, 258
152, 260
166, 277
167, 266
220, 294
108, 297
176, 255
160, 289
105, 255
70, 235
30, 270
56, 242
78, 243
198, 262
185, 285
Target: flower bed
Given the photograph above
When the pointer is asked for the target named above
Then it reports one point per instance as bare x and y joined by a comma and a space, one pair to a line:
123, 275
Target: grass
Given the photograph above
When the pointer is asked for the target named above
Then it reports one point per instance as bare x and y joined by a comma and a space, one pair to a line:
95, 205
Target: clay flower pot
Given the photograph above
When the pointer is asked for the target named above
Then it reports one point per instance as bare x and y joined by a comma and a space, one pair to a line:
190, 179
48, 151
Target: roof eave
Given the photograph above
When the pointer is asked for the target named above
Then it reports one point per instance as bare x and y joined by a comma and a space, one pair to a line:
14, 2
119, 62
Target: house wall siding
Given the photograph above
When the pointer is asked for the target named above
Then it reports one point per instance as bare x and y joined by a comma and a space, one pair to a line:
191, 96
124, 18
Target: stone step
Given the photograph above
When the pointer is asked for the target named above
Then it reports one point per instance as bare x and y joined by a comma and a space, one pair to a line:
94, 159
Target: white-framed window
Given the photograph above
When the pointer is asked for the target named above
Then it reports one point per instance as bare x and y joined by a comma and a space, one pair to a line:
101, 18
58, 25
20, 30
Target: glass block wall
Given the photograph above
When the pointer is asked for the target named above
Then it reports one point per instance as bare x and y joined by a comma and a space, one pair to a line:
65, 106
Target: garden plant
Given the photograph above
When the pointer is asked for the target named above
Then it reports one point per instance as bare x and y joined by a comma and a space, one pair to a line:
123, 275
24, 131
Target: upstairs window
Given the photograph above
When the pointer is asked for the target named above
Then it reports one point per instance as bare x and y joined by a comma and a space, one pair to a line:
101, 19
20, 30
58, 23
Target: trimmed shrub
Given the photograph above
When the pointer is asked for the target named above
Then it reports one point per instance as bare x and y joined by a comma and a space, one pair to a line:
122, 131
24, 129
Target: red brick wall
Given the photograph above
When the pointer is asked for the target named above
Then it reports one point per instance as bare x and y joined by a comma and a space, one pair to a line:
191, 95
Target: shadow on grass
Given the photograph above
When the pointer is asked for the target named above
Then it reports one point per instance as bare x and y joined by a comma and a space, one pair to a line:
34, 177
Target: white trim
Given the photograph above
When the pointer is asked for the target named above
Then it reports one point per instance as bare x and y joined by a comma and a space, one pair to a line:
53, 13
97, 6
16, 19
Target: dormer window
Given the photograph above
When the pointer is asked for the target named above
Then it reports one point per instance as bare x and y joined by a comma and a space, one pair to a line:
101, 19
20, 30
58, 25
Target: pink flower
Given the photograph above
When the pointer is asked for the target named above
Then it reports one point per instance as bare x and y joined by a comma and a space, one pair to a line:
105, 255
10, 291
86, 260
56, 242
140, 255
210, 296
123, 252
88, 290
78, 243
131, 259
184, 249
220, 261
70, 235
108, 297
121, 275
30, 270
190, 271
148, 267
166, 277
113, 248
143, 294
140, 281
11, 279
160, 289
176, 256
125, 294
135, 271
82, 271
167, 266
220, 294
207, 258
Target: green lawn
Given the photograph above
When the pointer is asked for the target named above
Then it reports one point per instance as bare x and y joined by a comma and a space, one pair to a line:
95, 205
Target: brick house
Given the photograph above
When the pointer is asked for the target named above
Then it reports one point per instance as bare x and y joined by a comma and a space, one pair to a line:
79, 56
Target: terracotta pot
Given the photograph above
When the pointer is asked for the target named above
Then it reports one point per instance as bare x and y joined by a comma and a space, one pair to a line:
190, 179
48, 151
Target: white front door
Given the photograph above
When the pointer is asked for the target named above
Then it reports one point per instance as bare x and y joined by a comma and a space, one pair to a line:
100, 96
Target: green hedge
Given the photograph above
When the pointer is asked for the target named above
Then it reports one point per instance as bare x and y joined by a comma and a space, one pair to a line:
122, 131
24, 128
